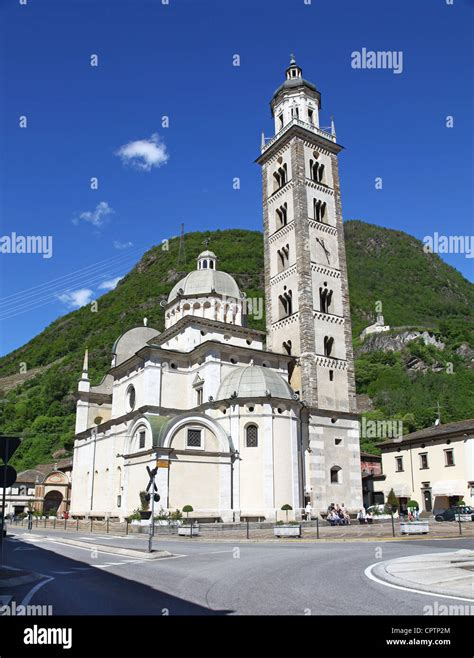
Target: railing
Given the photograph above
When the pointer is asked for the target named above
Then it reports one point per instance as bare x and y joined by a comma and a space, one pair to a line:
302, 124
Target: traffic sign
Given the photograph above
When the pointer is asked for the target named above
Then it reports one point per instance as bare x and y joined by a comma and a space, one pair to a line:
162, 463
152, 474
7, 476
8, 445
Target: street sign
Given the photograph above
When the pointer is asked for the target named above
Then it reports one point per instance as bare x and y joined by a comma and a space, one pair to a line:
7, 476
8, 445
162, 463
152, 474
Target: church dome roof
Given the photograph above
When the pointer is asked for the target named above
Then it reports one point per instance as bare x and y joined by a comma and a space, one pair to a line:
253, 382
205, 280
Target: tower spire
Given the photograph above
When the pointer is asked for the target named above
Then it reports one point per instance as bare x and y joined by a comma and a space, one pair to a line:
85, 366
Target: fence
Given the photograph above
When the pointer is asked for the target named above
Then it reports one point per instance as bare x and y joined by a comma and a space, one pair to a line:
314, 529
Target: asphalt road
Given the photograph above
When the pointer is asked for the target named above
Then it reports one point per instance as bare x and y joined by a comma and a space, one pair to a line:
206, 578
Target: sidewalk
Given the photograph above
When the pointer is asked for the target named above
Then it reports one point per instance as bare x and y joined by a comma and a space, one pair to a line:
449, 574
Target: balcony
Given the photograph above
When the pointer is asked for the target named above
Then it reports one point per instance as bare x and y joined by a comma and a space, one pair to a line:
301, 124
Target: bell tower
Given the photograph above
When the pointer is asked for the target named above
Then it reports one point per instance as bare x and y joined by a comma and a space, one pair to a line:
307, 298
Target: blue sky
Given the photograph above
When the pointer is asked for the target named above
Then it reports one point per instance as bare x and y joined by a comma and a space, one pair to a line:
176, 60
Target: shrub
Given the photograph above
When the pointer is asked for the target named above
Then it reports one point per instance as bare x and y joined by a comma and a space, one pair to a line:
392, 500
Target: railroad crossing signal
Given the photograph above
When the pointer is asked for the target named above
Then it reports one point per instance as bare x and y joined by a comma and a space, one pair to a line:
8, 445
7, 476
156, 496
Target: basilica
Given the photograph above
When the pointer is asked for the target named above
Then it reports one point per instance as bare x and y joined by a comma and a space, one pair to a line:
240, 422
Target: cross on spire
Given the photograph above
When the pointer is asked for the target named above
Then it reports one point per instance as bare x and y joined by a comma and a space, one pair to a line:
206, 242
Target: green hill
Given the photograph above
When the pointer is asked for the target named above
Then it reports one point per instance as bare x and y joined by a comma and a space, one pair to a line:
416, 289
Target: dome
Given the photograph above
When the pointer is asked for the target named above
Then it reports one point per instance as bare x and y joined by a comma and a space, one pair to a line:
204, 282
254, 382
207, 254
294, 84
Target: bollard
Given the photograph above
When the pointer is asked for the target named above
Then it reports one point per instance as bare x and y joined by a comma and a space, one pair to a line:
77, 524
459, 521
317, 527
126, 527
54, 523
248, 528
191, 530
45, 522
65, 523
107, 525
91, 523
393, 524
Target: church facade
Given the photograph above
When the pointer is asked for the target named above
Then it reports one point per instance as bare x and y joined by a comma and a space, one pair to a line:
241, 422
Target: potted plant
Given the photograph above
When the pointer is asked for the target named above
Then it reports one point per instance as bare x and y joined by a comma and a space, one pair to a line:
411, 526
190, 529
162, 517
287, 529
186, 510
145, 506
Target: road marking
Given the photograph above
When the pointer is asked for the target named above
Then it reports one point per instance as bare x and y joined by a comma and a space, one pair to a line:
24, 549
34, 589
63, 573
369, 574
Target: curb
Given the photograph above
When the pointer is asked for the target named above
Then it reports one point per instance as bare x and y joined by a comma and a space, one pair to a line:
102, 548
380, 571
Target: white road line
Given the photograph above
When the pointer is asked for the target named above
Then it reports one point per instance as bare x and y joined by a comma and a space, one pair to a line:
34, 589
64, 573
369, 574
86, 548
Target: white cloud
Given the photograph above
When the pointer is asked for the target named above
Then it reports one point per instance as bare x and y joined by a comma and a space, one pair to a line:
122, 245
110, 284
144, 154
97, 217
76, 298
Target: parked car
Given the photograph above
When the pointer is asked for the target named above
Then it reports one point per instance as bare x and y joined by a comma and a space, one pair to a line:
381, 512
463, 512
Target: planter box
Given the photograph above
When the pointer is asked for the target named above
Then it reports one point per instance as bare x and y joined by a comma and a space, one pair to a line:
414, 527
287, 531
185, 531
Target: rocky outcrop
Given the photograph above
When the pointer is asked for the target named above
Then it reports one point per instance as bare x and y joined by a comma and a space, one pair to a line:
394, 342
466, 352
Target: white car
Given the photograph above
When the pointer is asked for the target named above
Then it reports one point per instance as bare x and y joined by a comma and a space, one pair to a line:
380, 512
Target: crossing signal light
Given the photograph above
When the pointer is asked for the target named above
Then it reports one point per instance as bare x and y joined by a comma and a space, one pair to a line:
156, 497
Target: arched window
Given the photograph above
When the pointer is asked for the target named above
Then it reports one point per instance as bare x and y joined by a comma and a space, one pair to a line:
286, 303
251, 436
328, 345
325, 298
131, 397
140, 438
336, 475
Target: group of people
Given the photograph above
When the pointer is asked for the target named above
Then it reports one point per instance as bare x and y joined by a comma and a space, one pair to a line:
364, 516
338, 515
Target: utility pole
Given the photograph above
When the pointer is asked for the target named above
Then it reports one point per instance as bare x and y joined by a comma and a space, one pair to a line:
182, 248
154, 497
